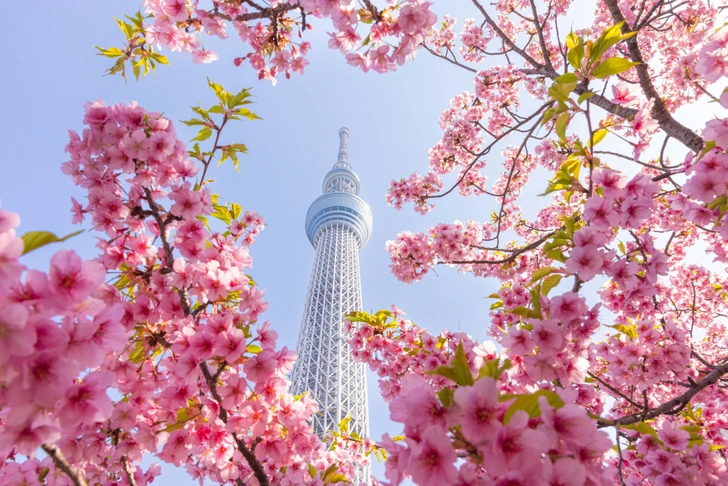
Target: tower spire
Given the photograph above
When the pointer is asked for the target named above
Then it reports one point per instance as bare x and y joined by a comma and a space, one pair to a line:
343, 148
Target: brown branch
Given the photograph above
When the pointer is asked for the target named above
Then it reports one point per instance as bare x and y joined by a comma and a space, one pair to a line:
667, 123
156, 214
670, 407
659, 111
127, 470
61, 463
271, 13
619, 463
373, 10
487, 149
452, 61
541, 39
613, 390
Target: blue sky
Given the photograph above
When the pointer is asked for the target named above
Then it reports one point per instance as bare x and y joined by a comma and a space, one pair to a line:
393, 120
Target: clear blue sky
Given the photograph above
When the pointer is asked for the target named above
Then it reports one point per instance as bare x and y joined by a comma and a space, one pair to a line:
53, 70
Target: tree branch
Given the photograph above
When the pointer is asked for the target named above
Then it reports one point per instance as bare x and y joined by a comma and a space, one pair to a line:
247, 453
672, 406
659, 111
61, 463
127, 470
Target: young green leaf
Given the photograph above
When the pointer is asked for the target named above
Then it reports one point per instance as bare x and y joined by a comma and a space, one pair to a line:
33, 240
611, 66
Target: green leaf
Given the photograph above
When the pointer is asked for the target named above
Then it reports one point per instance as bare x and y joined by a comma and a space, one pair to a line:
202, 112
555, 243
311, 471
235, 210
344, 425
203, 134
599, 135
446, 396
139, 353
216, 109
336, 478
253, 349
576, 50
125, 27
560, 91
642, 428
561, 123
585, 96
33, 240
247, 114
110, 52
493, 369
137, 20
557, 255
549, 283
567, 78
219, 90
611, 66
529, 403
459, 372
159, 58
541, 273
629, 331
609, 37
223, 214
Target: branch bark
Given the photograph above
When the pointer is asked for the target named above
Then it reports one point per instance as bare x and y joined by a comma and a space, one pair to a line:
672, 406
62, 463
128, 472
247, 453
659, 111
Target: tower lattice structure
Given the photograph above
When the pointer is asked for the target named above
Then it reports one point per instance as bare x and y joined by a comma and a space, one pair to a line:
338, 225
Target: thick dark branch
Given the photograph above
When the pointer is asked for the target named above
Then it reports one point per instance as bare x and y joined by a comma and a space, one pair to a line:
127, 471
541, 39
169, 260
667, 123
672, 406
373, 10
271, 13
659, 111
61, 463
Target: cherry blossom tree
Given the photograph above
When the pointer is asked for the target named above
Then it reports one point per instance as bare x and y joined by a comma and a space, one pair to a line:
623, 385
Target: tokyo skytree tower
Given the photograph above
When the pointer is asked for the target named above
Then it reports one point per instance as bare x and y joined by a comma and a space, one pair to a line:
338, 225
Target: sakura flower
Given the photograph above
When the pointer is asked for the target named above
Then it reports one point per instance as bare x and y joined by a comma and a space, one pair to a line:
431, 462
72, 279
479, 405
17, 337
672, 436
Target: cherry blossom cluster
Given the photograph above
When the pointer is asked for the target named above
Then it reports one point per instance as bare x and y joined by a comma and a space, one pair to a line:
643, 354
455, 401
394, 347
198, 380
370, 38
